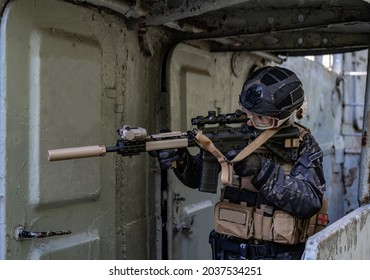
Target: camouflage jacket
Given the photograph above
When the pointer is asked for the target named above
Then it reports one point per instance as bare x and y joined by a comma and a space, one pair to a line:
299, 193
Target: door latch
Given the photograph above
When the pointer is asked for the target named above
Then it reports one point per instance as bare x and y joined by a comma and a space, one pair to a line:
21, 233
185, 224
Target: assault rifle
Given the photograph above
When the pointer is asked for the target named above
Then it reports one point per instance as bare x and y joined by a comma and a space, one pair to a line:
226, 131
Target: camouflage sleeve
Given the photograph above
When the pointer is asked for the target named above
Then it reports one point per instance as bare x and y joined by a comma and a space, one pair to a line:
300, 192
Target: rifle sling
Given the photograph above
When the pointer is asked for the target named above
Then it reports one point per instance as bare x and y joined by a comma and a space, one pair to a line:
226, 168
226, 165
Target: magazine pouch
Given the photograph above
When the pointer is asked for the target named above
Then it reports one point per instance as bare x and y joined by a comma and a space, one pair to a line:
285, 228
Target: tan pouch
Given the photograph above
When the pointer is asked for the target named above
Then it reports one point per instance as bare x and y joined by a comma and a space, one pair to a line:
267, 228
257, 224
285, 229
308, 228
233, 219
262, 225
304, 230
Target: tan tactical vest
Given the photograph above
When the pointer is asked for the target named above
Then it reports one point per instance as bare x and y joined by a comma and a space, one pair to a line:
262, 222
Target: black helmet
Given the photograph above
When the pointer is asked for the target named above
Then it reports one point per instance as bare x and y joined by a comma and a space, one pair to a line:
272, 91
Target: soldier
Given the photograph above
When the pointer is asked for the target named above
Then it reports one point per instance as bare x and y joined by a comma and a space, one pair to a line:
270, 208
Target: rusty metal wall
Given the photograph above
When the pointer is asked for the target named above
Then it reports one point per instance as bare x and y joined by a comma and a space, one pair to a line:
323, 117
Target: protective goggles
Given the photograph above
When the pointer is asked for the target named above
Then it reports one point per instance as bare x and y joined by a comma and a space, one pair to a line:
264, 122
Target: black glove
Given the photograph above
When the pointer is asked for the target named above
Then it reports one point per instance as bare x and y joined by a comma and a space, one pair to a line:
167, 157
251, 165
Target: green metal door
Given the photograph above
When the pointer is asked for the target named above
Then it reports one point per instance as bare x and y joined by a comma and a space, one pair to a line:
55, 60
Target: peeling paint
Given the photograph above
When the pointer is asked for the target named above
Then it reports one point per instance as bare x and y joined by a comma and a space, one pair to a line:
347, 238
